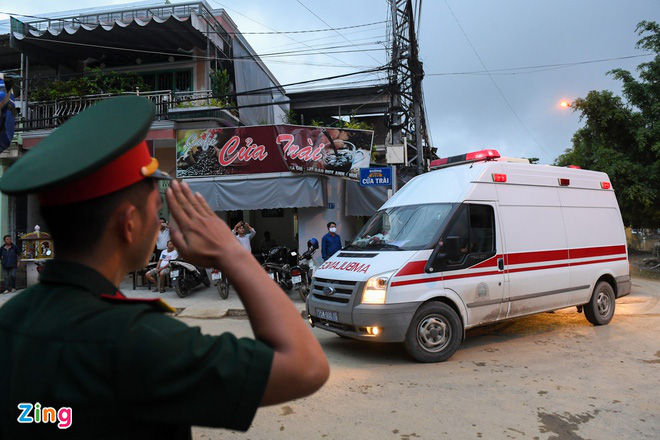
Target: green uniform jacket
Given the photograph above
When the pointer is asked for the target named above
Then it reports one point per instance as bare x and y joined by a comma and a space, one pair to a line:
126, 370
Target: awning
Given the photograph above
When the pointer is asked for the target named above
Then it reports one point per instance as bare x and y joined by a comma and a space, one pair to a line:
364, 200
247, 192
120, 36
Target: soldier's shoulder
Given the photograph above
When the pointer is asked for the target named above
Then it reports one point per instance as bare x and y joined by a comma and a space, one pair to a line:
156, 304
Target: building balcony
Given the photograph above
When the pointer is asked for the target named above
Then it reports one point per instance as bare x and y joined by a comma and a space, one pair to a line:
45, 115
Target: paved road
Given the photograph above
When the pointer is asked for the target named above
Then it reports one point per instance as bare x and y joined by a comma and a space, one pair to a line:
548, 376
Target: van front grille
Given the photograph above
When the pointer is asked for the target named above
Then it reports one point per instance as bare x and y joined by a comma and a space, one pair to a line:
335, 291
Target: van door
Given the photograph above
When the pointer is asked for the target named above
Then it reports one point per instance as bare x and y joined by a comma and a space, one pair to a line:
477, 276
536, 258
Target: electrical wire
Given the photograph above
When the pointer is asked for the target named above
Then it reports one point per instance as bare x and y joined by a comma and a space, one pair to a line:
326, 23
203, 57
267, 27
494, 82
539, 68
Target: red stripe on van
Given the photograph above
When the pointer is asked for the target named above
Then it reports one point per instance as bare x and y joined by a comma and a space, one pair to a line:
525, 269
412, 268
469, 275
417, 281
520, 269
597, 251
537, 256
417, 267
580, 263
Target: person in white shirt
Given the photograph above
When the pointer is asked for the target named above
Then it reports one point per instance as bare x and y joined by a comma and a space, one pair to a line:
162, 269
163, 237
244, 233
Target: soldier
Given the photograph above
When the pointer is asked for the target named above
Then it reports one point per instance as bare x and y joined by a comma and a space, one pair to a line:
81, 360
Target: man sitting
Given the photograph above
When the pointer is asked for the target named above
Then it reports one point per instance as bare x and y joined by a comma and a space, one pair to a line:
162, 269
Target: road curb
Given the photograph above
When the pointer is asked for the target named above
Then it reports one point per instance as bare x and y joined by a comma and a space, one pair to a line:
194, 313
203, 313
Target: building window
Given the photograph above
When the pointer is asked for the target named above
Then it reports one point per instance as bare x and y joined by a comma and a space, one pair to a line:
174, 80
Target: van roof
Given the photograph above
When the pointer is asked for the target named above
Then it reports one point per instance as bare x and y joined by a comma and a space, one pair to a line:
457, 183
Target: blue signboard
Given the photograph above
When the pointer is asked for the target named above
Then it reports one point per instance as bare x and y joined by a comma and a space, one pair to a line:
376, 176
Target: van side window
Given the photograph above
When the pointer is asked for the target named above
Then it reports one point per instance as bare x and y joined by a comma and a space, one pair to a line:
475, 228
482, 229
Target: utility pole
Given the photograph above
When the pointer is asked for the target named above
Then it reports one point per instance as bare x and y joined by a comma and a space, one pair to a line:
406, 114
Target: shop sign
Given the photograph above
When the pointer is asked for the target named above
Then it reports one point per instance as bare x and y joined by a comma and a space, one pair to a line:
272, 148
376, 176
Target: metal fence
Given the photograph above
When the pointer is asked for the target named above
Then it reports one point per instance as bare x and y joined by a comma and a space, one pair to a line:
50, 114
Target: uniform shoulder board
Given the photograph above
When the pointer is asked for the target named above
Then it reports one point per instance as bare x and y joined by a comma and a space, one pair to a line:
154, 302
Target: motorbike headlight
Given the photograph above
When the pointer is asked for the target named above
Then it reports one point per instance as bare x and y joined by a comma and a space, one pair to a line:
375, 290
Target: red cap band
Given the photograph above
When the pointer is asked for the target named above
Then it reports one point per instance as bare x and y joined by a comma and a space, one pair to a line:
120, 173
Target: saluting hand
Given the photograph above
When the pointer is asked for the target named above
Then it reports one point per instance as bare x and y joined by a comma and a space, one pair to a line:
200, 236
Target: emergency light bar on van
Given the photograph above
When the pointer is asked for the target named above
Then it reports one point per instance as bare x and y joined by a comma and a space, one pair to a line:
474, 156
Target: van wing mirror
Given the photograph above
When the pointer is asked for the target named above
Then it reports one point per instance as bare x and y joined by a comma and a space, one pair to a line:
447, 251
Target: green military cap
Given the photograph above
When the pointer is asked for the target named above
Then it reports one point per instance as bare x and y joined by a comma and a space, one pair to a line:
97, 152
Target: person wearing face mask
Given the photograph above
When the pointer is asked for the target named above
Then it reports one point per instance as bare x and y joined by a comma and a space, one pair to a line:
331, 242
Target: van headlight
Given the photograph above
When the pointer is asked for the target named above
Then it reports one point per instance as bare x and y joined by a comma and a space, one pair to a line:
375, 290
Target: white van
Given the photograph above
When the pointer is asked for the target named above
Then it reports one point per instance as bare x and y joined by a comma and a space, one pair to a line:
478, 241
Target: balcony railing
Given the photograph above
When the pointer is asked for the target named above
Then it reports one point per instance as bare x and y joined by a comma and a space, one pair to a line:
51, 114
43, 115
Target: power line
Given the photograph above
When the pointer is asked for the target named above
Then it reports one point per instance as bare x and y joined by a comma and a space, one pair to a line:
203, 57
511, 70
310, 31
326, 23
309, 81
267, 27
493, 80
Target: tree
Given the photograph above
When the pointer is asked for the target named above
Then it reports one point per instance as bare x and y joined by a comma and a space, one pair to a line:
621, 136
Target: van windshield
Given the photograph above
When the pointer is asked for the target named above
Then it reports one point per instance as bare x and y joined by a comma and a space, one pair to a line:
402, 228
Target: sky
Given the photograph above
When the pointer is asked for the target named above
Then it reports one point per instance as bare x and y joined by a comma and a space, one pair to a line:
496, 71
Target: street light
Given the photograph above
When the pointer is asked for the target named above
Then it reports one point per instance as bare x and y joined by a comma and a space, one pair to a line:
565, 104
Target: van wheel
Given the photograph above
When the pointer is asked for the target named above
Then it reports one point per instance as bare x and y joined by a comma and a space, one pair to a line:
434, 333
600, 308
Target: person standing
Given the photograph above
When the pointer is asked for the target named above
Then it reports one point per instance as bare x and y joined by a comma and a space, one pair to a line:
11, 260
331, 242
158, 275
163, 236
244, 233
118, 367
267, 243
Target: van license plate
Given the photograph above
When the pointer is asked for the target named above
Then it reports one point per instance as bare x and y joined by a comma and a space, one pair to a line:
325, 314
174, 273
296, 280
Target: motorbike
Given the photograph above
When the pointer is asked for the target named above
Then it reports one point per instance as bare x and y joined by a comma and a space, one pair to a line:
307, 267
221, 282
285, 268
186, 276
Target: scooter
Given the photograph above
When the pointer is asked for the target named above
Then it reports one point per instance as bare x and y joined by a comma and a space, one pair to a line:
221, 282
278, 263
302, 274
186, 276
